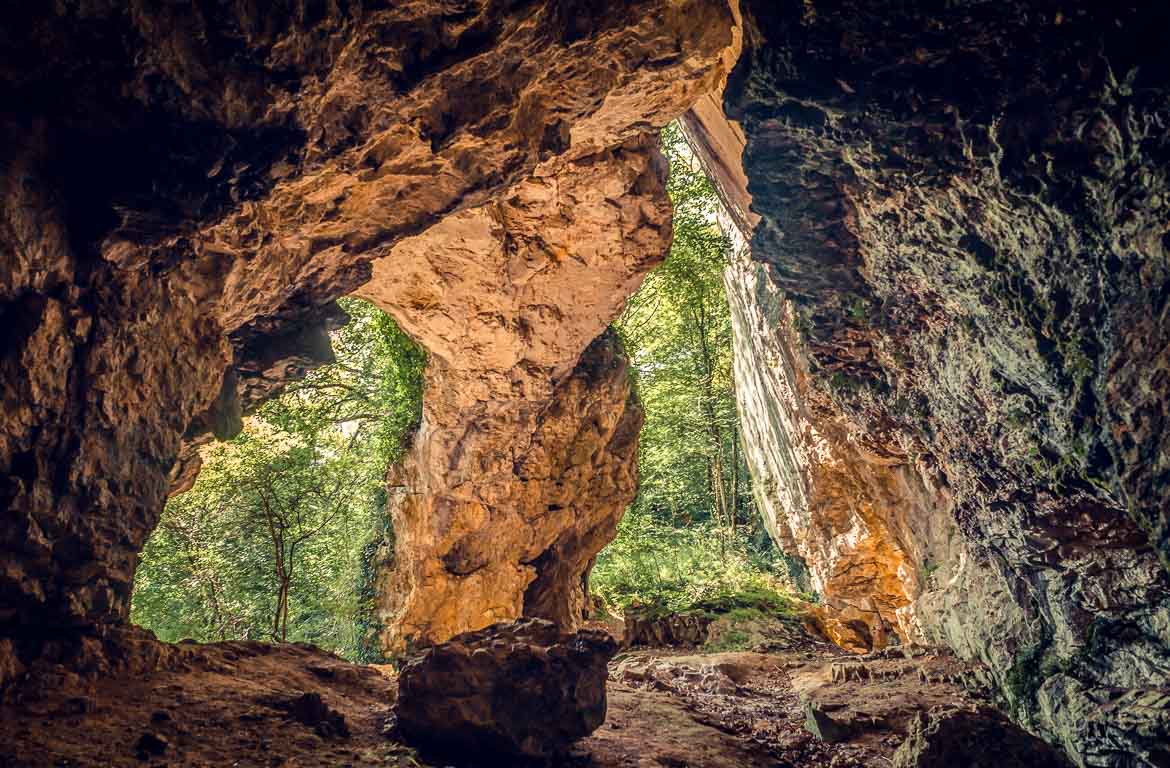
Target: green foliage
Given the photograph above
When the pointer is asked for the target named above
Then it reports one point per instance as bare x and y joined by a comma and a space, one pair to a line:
275, 539
755, 598
693, 540
734, 639
677, 331
670, 569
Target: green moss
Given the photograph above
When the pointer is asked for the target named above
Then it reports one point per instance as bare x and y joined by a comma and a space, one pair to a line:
857, 310
751, 602
1030, 668
377, 555
1024, 678
734, 640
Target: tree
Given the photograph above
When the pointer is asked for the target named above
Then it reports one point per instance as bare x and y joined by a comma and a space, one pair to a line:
677, 330
693, 534
271, 540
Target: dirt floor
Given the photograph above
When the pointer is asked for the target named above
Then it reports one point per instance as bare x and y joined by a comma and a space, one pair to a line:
252, 704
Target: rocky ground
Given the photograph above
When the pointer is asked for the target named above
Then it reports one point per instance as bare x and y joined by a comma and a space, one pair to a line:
253, 704
226, 704
765, 709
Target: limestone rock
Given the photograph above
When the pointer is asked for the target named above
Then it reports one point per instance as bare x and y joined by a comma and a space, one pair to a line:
679, 676
819, 721
525, 460
649, 628
188, 188
951, 338
977, 737
523, 689
852, 516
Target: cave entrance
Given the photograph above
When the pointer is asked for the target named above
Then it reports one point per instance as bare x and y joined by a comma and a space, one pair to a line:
279, 536
693, 537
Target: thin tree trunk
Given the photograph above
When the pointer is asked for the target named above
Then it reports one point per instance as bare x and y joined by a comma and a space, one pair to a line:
714, 433
734, 476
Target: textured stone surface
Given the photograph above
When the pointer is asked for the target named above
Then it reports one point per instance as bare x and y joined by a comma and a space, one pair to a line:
524, 689
959, 304
523, 464
130, 700
860, 521
972, 737
501, 515
188, 187
649, 628
875, 699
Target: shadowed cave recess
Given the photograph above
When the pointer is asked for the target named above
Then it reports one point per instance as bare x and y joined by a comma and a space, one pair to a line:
949, 293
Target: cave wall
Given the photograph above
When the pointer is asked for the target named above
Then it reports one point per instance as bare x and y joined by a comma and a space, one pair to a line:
188, 187
953, 337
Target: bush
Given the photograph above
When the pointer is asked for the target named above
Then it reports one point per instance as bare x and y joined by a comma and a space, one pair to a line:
667, 569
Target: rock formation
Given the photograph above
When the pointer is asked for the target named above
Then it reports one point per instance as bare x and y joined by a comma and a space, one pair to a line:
974, 737
523, 689
642, 627
524, 464
187, 189
952, 339
953, 334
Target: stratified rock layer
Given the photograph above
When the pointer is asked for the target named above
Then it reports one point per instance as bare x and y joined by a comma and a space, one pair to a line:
188, 188
523, 689
959, 337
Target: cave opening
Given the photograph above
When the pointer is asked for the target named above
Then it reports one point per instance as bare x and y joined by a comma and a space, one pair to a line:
952, 393
693, 538
280, 536
285, 531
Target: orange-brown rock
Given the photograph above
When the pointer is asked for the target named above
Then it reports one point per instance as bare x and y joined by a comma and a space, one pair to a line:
850, 513
187, 188
523, 464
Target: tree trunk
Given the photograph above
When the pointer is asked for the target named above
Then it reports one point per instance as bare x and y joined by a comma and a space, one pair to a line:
734, 476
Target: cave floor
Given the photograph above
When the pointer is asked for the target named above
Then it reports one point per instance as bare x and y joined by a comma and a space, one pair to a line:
251, 704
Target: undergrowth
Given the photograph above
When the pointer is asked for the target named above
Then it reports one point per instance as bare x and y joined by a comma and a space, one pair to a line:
663, 569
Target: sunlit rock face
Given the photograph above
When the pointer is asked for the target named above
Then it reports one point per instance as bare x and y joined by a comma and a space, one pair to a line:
957, 319
526, 457
188, 188
858, 519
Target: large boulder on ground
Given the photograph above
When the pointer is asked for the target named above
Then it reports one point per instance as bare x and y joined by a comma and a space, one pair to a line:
973, 737
523, 688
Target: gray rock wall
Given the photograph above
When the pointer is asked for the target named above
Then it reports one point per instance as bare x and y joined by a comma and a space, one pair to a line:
964, 278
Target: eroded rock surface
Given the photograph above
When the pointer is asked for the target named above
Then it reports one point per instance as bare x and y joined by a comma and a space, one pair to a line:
658, 630
972, 737
524, 689
188, 188
954, 340
526, 457
131, 700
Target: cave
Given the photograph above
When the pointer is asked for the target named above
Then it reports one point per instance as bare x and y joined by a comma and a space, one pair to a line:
952, 341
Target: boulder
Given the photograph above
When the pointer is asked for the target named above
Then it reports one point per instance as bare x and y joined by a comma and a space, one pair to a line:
521, 689
973, 737
646, 628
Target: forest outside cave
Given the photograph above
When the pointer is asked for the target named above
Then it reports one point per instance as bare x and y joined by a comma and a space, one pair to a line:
281, 535
277, 536
684, 383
